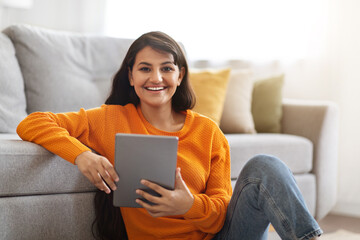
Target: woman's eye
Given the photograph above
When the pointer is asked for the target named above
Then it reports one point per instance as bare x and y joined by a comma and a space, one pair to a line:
145, 69
167, 69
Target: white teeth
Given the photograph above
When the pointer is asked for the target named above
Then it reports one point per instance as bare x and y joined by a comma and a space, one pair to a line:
155, 88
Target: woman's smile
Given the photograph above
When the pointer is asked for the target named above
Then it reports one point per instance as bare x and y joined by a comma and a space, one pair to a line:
155, 89
155, 77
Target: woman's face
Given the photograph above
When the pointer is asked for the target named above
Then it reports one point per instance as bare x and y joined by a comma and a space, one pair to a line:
155, 77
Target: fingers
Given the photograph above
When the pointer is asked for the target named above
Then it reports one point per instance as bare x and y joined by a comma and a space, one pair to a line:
179, 182
151, 198
157, 188
110, 169
171, 202
102, 174
99, 183
154, 211
150, 209
98, 170
148, 196
160, 207
107, 172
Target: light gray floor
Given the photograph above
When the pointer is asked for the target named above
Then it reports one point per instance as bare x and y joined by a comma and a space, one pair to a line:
332, 223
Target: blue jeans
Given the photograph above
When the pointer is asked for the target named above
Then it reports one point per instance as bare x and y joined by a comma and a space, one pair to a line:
266, 192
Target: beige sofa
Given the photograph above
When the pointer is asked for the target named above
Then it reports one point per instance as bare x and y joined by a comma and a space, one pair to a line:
45, 197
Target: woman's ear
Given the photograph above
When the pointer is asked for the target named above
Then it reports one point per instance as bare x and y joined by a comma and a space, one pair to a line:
181, 75
130, 77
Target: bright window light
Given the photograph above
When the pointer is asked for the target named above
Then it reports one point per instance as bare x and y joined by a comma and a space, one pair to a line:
227, 29
17, 3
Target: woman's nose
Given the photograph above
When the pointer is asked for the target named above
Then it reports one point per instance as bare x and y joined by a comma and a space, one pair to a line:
156, 76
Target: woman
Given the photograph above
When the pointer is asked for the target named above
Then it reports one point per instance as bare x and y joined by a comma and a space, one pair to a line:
151, 95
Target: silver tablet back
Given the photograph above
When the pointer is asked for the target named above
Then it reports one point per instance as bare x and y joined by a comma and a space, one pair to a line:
143, 157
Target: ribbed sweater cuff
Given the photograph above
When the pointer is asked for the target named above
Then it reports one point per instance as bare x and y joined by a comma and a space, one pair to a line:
72, 154
197, 209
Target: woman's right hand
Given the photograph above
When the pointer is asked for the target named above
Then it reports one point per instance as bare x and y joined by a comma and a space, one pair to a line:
98, 170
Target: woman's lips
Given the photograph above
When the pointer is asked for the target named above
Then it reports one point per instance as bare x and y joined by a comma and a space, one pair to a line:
154, 88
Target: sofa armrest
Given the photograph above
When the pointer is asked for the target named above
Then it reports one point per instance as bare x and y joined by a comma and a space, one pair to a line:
317, 121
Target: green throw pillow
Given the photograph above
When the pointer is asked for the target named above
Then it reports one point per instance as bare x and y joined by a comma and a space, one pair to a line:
266, 104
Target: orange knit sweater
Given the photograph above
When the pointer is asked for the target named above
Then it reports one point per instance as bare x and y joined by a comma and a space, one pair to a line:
203, 156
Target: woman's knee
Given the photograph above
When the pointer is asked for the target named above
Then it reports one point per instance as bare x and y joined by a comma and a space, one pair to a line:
263, 165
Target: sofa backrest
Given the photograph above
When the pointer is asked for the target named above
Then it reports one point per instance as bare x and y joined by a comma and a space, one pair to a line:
12, 96
65, 71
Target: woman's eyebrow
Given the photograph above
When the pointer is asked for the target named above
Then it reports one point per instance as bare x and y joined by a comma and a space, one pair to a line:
144, 63
168, 62
149, 64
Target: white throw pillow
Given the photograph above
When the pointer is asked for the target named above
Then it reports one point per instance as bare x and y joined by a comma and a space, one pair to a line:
237, 117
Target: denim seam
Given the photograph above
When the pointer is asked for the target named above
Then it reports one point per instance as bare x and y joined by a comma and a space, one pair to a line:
288, 229
278, 213
276, 210
246, 182
312, 234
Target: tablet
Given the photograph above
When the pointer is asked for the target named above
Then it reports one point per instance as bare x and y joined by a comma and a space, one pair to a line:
139, 157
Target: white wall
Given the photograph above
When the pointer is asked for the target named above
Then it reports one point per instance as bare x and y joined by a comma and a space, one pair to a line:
335, 75
345, 68
332, 74
85, 16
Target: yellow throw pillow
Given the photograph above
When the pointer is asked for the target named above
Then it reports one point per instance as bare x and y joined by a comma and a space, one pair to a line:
267, 104
237, 117
210, 89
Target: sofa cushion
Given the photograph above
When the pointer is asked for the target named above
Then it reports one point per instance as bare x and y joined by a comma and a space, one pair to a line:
27, 168
296, 152
210, 89
59, 216
65, 71
12, 95
237, 117
9, 136
267, 104
307, 185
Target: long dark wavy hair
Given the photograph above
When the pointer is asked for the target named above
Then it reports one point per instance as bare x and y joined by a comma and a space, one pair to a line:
108, 223
123, 93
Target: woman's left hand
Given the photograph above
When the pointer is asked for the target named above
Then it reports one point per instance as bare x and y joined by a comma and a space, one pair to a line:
171, 202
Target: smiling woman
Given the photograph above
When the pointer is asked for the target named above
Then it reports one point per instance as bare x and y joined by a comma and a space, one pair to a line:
155, 77
169, 68
151, 95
